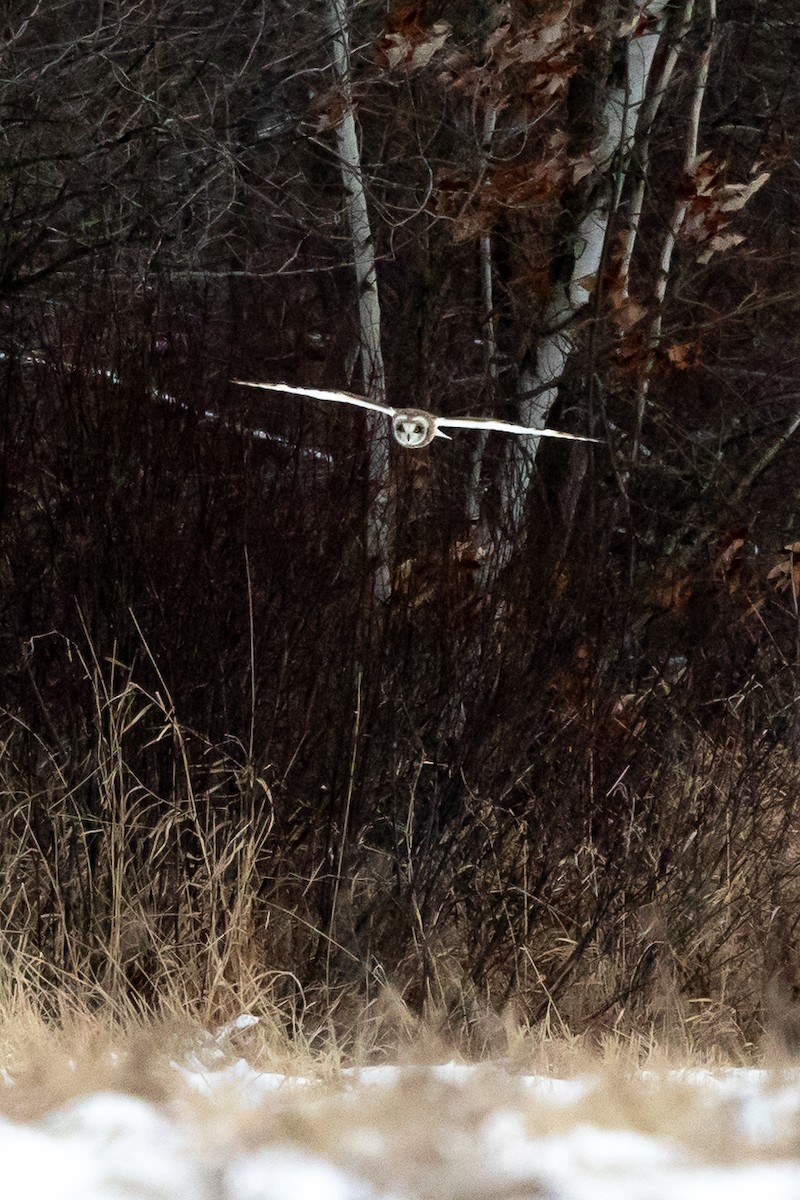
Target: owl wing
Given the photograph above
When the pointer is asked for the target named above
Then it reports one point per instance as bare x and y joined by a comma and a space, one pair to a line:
506, 427
318, 394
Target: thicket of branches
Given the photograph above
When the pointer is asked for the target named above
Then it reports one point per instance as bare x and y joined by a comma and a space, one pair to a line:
554, 761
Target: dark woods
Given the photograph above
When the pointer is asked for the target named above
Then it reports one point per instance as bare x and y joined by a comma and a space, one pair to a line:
557, 766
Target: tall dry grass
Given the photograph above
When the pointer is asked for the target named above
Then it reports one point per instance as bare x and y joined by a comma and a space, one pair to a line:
154, 873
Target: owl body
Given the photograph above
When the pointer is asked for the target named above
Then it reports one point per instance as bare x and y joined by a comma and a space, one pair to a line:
414, 428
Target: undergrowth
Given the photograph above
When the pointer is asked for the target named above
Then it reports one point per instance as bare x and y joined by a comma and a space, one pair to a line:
158, 873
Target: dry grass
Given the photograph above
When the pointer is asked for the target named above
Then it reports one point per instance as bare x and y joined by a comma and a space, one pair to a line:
157, 877
77, 1050
417, 1132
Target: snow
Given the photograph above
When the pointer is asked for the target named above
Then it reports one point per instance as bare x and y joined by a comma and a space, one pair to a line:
228, 1131
288, 1174
102, 1147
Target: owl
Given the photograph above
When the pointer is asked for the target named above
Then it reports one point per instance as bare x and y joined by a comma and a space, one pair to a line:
414, 427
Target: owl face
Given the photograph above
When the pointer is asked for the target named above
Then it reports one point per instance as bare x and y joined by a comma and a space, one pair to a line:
413, 428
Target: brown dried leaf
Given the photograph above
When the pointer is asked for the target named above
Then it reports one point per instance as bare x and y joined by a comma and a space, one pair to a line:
717, 244
548, 85
411, 46
424, 51
673, 591
587, 282
701, 176
785, 575
733, 196
549, 47
327, 110
710, 203
683, 355
729, 554
581, 167
629, 352
637, 25
396, 48
520, 187
496, 37
627, 313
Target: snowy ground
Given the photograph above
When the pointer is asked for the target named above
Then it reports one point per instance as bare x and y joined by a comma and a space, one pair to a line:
451, 1132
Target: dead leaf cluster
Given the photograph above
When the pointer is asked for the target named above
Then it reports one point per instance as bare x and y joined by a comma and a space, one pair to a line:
327, 110
520, 187
683, 356
785, 575
711, 203
407, 44
541, 54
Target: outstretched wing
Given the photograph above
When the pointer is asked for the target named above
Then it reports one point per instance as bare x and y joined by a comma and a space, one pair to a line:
318, 394
506, 427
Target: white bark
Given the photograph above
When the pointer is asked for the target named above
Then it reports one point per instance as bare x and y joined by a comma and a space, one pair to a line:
647, 117
538, 385
369, 313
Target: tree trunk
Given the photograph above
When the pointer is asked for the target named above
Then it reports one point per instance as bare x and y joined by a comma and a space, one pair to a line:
539, 381
379, 519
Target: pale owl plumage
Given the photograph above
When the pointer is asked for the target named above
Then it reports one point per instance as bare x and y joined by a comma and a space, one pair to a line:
414, 427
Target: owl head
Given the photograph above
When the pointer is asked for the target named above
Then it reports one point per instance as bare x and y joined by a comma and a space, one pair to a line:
413, 427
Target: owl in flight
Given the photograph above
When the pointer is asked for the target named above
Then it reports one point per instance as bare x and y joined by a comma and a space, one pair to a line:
413, 427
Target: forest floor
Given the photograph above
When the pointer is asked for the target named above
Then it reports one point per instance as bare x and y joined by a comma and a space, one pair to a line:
90, 1112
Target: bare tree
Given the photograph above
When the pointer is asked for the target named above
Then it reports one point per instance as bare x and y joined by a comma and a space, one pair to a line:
615, 124
379, 536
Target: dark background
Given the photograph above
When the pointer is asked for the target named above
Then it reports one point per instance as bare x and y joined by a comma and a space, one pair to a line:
570, 783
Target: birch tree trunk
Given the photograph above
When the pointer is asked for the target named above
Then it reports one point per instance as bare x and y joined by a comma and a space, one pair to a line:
539, 382
644, 132
379, 518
